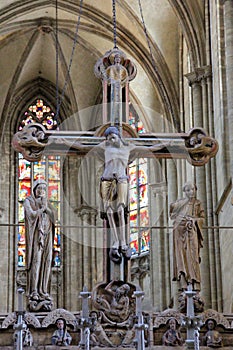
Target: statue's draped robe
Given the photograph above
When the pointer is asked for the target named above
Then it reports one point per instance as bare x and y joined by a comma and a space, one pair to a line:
40, 231
66, 337
187, 240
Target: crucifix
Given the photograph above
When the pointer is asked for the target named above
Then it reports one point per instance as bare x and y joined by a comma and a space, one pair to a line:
116, 144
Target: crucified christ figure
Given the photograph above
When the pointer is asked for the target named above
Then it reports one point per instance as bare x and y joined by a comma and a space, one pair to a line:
116, 155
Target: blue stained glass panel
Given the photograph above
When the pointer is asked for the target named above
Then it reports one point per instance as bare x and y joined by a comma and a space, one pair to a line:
21, 256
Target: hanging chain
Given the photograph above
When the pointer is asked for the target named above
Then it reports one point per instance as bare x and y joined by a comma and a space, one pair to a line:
154, 64
56, 38
71, 60
114, 23
147, 37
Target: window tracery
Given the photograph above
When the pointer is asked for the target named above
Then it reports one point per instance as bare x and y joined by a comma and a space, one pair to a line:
38, 112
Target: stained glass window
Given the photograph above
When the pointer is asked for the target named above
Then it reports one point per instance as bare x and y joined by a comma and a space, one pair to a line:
38, 112
138, 194
48, 168
135, 123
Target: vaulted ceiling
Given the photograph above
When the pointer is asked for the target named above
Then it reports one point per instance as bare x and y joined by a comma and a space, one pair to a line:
149, 32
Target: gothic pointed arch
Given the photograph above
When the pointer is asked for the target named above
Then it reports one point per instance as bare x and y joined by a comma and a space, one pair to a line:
191, 19
26, 95
42, 89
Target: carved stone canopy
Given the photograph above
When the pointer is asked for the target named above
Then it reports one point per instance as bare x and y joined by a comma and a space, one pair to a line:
102, 65
52, 317
29, 318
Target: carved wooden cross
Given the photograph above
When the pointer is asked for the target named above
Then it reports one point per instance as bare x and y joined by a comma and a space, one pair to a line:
115, 71
196, 146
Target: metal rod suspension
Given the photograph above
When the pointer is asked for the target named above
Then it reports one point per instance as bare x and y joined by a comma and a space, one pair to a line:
147, 36
71, 58
114, 23
56, 38
160, 82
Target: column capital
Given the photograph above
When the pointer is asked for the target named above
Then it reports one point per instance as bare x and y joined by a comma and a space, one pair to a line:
158, 188
86, 213
199, 74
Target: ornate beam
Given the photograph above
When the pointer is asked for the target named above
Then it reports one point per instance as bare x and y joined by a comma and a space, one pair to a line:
196, 146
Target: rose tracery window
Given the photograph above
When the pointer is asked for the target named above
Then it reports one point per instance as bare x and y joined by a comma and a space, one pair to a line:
48, 168
39, 113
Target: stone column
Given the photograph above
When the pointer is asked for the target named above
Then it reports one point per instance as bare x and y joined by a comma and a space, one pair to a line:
210, 246
172, 193
197, 80
207, 112
228, 24
89, 264
159, 246
194, 79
